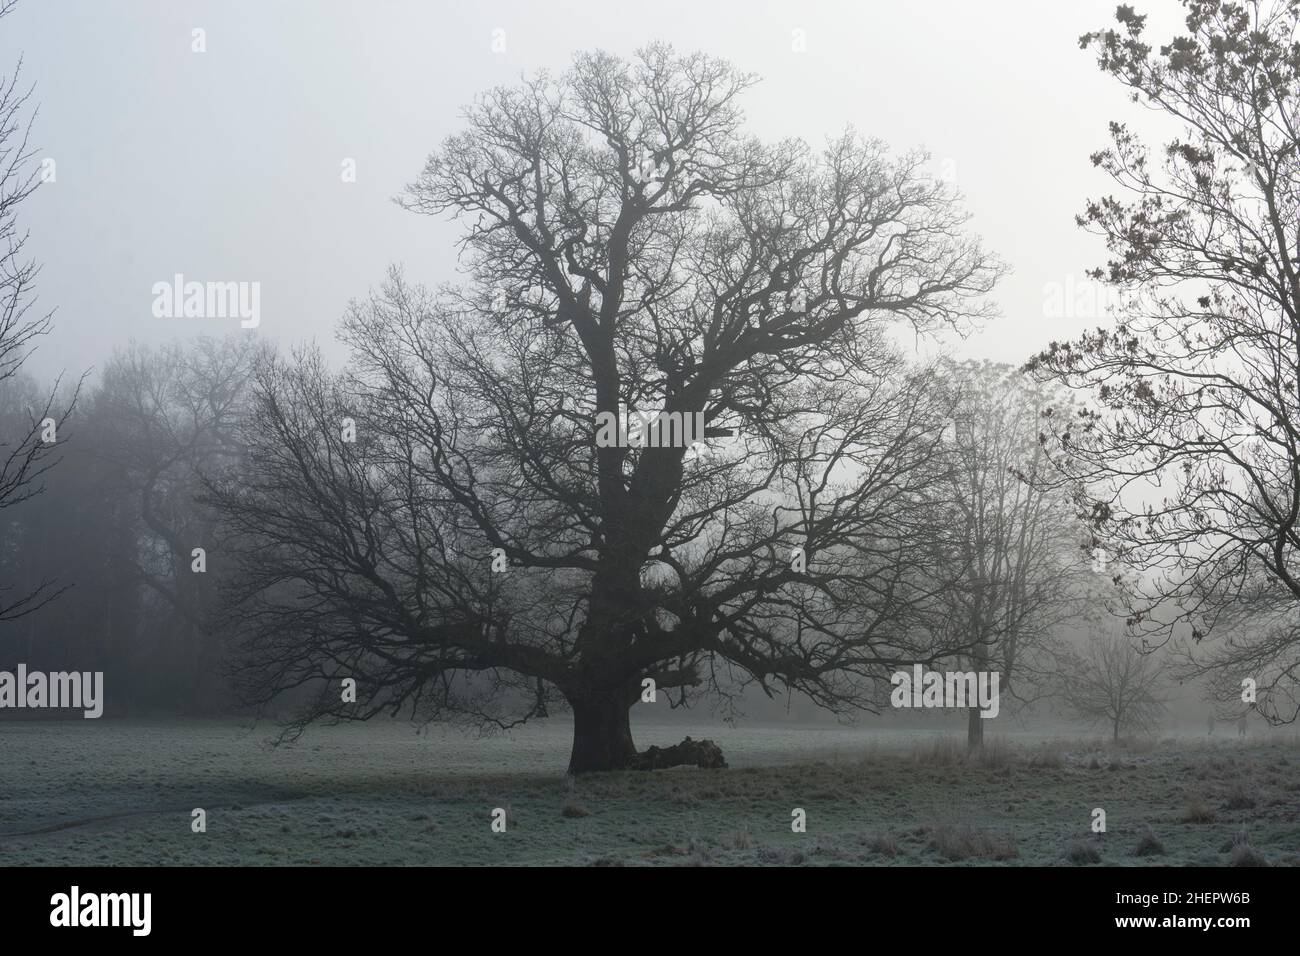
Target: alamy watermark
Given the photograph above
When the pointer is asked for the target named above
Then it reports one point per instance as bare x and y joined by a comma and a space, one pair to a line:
1081, 298
649, 429
75, 908
960, 689
58, 690
208, 300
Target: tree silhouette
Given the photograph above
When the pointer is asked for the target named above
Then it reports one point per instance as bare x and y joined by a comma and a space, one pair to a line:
1011, 555
1192, 445
1112, 682
28, 443
627, 247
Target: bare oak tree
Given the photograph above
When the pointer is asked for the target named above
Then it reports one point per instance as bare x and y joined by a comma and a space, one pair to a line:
627, 248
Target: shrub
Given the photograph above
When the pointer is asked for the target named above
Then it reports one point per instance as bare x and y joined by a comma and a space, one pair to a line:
1197, 812
965, 842
1243, 854
1239, 799
1083, 852
741, 840
941, 752
884, 844
1149, 845
573, 810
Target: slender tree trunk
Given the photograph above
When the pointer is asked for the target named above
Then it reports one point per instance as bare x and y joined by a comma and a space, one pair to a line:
602, 731
1115, 734
975, 723
974, 729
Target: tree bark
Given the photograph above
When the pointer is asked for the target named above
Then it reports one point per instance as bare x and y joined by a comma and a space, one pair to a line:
602, 732
974, 729
974, 722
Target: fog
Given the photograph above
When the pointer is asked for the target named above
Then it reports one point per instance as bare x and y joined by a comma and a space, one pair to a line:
306, 358
226, 164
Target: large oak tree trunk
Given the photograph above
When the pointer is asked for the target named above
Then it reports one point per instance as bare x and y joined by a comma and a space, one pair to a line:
602, 738
602, 732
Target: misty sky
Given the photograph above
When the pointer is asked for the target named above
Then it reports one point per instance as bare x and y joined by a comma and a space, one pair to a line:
225, 165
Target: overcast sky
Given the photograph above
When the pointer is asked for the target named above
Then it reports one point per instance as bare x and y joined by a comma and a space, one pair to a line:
225, 165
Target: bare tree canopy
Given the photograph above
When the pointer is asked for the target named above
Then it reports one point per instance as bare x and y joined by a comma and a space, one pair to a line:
1011, 550
627, 248
1192, 447
164, 417
29, 439
1115, 683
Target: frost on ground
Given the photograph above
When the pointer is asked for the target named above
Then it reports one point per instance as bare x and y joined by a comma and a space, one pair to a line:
121, 792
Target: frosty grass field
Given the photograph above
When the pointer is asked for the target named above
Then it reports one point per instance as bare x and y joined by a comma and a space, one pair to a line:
121, 792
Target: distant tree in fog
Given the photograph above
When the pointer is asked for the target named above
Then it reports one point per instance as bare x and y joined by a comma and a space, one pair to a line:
163, 417
1012, 557
1114, 683
629, 248
1191, 446
120, 520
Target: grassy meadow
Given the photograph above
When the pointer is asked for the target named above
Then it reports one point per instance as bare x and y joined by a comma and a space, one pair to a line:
121, 792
